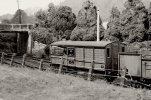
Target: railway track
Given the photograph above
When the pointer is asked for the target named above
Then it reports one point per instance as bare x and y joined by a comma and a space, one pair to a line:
12, 59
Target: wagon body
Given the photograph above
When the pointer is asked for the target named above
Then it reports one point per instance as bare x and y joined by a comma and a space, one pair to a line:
81, 54
132, 62
138, 65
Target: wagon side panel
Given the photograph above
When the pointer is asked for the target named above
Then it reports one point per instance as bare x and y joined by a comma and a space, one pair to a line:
79, 57
132, 63
99, 58
146, 68
88, 57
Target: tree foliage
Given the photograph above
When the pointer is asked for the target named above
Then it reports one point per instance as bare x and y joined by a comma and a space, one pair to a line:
131, 25
46, 37
57, 21
86, 28
113, 31
20, 17
41, 17
149, 19
64, 20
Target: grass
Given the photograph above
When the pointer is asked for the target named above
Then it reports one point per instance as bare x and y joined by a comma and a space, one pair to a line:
27, 84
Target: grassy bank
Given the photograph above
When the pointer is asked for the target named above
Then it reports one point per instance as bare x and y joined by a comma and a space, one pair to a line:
27, 84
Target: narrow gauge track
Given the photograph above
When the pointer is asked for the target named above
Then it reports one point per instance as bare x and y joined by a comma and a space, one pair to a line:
12, 59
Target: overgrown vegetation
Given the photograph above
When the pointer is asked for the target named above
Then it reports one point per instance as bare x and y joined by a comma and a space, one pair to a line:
132, 25
86, 28
54, 24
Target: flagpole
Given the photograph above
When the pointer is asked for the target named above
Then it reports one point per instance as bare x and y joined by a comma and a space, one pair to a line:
18, 3
98, 25
98, 21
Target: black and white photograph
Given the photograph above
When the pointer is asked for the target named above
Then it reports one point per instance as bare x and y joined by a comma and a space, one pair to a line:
75, 49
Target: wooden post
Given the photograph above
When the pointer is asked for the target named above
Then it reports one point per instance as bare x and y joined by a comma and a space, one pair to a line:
12, 59
23, 61
2, 57
12, 26
18, 43
123, 74
30, 40
61, 66
50, 61
90, 71
41, 63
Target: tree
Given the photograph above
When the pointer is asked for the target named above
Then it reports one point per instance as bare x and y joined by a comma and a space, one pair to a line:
149, 19
55, 22
51, 13
131, 25
64, 20
86, 28
41, 17
113, 31
67, 34
20, 17
133, 20
43, 35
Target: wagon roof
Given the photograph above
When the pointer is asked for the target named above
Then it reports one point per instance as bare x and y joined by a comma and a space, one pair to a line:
82, 43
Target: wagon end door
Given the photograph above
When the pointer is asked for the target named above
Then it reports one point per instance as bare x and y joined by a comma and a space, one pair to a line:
115, 51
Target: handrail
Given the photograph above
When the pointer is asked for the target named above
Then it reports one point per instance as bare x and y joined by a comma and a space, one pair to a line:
16, 26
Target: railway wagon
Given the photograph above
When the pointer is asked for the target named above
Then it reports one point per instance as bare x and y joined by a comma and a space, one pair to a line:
81, 54
138, 66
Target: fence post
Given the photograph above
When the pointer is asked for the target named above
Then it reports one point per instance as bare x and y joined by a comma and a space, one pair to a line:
23, 61
12, 59
41, 63
90, 71
50, 61
123, 74
2, 57
61, 66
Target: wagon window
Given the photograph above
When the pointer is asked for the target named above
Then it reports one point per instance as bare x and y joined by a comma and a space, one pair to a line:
123, 49
108, 52
71, 52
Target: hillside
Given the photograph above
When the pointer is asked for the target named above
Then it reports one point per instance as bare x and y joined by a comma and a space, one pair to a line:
26, 84
104, 5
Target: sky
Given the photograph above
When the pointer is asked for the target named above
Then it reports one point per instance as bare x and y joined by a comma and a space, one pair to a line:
10, 6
